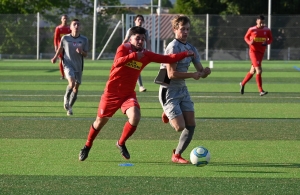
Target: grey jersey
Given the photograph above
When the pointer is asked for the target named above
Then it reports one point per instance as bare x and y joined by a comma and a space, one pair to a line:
182, 66
70, 57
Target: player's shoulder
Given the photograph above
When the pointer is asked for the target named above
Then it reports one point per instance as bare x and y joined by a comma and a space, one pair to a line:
66, 36
173, 43
252, 28
265, 28
83, 37
190, 46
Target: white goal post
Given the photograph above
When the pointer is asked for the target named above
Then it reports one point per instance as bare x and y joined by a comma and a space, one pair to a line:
130, 3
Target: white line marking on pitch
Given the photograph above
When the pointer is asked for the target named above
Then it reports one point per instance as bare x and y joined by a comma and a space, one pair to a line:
193, 96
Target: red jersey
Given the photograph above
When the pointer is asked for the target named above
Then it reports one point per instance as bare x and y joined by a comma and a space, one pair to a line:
259, 36
59, 32
127, 68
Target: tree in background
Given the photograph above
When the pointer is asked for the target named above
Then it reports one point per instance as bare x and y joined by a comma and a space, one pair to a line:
18, 18
236, 7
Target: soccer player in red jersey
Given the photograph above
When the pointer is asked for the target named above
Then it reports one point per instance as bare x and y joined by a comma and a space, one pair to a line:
130, 59
257, 37
60, 31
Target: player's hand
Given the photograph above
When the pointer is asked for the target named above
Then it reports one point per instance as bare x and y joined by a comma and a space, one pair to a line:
190, 54
206, 72
251, 42
140, 54
78, 50
197, 75
53, 60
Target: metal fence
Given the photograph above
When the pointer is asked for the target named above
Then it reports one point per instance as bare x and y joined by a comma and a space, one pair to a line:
216, 37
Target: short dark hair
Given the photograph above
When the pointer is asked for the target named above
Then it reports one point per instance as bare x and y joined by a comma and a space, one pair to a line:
261, 17
136, 30
137, 16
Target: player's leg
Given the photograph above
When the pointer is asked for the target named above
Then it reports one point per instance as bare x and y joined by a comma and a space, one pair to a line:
61, 67
132, 109
70, 75
73, 96
187, 133
93, 132
249, 74
178, 123
71, 85
258, 68
173, 109
140, 83
162, 99
111, 103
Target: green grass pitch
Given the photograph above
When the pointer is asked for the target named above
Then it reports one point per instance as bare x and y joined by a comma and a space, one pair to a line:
253, 141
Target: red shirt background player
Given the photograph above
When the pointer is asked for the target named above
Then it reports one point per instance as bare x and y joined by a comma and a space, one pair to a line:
257, 37
130, 60
60, 31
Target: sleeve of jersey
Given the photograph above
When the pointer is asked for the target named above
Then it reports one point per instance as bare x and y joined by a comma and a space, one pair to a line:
247, 37
122, 56
61, 43
56, 37
170, 58
86, 45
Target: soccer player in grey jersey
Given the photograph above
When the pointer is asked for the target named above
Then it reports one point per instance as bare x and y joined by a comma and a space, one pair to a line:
74, 48
173, 92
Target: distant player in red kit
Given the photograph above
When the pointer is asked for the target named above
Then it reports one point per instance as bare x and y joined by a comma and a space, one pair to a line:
60, 31
257, 37
130, 59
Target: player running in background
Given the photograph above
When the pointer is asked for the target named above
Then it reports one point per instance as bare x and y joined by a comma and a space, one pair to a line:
257, 37
139, 20
60, 31
130, 59
74, 48
174, 95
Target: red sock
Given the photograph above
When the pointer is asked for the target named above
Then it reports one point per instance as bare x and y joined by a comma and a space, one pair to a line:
92, 135
61, 68
259, 82
247, 78
128, 130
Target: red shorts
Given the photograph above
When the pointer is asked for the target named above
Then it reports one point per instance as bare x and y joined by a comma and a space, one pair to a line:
110, 103
256, 58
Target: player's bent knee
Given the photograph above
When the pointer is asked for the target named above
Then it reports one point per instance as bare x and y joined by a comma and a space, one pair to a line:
178, 128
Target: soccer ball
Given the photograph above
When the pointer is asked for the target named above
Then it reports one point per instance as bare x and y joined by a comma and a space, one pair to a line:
200, 156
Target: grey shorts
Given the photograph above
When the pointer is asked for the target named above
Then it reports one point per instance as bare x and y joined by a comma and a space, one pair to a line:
174, 101
70, 72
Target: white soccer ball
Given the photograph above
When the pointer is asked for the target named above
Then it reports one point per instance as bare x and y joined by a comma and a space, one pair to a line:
200, 156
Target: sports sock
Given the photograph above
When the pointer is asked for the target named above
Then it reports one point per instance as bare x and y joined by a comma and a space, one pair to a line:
128, 130
91, 136
68, 92
61, 68
73, 98
247, 78
259, 82
185, 139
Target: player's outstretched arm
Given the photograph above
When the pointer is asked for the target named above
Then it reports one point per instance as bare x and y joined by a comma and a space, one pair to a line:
171, 58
